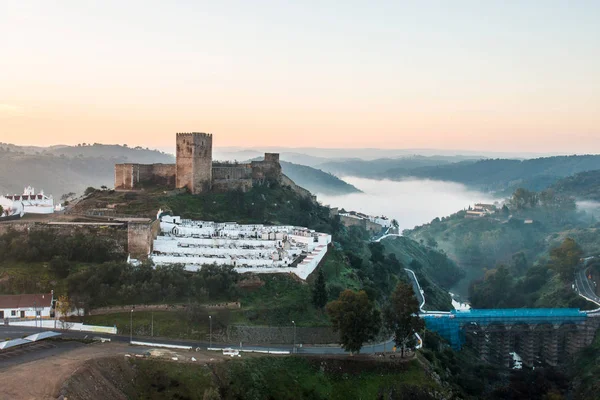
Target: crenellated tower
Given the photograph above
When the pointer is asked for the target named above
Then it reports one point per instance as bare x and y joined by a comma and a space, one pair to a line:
194, 161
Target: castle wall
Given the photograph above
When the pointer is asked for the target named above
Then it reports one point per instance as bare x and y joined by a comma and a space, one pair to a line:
140, 238
226, 185
298, 189
195, 171
267, 170
129, 176
194, 162
164, 174
124, 176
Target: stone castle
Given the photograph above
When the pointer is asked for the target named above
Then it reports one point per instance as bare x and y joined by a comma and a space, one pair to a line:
195, 170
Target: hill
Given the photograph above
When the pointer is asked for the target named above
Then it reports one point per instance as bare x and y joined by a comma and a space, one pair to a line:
63, 169
582, 186
503, 175
60, 170
316, 180
381, 167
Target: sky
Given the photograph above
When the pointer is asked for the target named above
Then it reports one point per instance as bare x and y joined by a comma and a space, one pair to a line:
489, 75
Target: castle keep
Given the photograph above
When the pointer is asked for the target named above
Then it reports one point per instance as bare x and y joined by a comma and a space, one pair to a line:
195, 170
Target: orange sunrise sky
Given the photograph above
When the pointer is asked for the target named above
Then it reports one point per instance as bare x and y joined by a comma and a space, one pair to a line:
472, 75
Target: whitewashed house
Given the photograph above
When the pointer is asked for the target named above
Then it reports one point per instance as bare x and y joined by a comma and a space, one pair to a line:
32, 203
26, 306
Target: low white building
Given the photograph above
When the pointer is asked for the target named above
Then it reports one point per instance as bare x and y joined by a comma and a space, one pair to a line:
30, 202
248, 248
10, 208
26, 306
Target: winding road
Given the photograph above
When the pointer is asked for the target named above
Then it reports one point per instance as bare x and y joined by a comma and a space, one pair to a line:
586, 287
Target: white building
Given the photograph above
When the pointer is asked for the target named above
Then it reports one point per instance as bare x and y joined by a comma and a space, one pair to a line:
32, 203
249, 248
11, 208
26, 306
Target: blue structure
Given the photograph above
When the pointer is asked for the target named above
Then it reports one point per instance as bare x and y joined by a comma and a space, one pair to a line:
450, 325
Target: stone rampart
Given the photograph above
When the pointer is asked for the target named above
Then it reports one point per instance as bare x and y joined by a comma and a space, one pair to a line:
115, 234
227, 171
140, 238
364, 223
226, 185
130, 176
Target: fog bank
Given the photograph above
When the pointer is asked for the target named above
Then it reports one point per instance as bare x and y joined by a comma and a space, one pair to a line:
411, 202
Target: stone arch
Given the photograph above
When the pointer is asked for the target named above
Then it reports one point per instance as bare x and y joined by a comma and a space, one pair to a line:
568, 336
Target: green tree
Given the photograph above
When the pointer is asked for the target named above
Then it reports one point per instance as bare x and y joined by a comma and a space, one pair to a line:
89, 190
401, 316
320, 291
523, 198
519, 262
355, 318
377, 250
565, 258
1, 211
59, 266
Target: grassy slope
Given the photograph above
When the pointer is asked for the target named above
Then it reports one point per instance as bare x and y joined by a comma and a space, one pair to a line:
277, 378
434, 270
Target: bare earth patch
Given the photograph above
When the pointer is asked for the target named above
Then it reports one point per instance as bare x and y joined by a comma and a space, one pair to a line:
43, 379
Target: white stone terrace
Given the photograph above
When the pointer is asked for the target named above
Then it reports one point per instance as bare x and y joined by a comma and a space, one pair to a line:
249, 248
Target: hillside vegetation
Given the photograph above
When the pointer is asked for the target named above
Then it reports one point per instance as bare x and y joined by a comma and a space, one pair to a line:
254, 379
507, 255
268, 300
582, 186
504, 175
383, 166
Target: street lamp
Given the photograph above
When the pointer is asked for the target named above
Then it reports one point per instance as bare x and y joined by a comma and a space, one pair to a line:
294, 348
131, 326
210, 331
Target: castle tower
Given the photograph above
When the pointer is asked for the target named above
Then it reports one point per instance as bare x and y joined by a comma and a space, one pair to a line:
194, 161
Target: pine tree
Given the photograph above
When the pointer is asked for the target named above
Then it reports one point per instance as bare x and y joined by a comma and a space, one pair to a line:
320, 291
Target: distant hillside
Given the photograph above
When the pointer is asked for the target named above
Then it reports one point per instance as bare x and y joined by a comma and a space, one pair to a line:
383, 167
502, 174
582, 186
63, 169
316, 180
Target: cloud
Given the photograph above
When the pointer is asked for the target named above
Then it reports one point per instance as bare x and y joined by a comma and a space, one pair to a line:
8, 110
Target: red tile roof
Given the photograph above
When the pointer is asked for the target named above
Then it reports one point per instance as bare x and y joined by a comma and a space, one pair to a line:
25, 300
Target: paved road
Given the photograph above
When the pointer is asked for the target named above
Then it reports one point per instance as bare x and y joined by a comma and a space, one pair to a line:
585, 287
20, 331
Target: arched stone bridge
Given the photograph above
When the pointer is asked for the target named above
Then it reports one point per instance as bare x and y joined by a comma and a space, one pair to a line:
550, 335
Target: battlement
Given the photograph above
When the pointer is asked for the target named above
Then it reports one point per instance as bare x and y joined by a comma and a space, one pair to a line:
190, 134
272, 157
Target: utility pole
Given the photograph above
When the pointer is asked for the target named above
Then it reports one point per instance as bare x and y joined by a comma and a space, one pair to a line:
210, 331
131, 326
294, 348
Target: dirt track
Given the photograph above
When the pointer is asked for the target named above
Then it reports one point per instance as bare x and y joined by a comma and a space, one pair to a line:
42, 379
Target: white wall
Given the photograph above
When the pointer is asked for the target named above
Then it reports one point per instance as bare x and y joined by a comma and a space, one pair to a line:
29, 312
